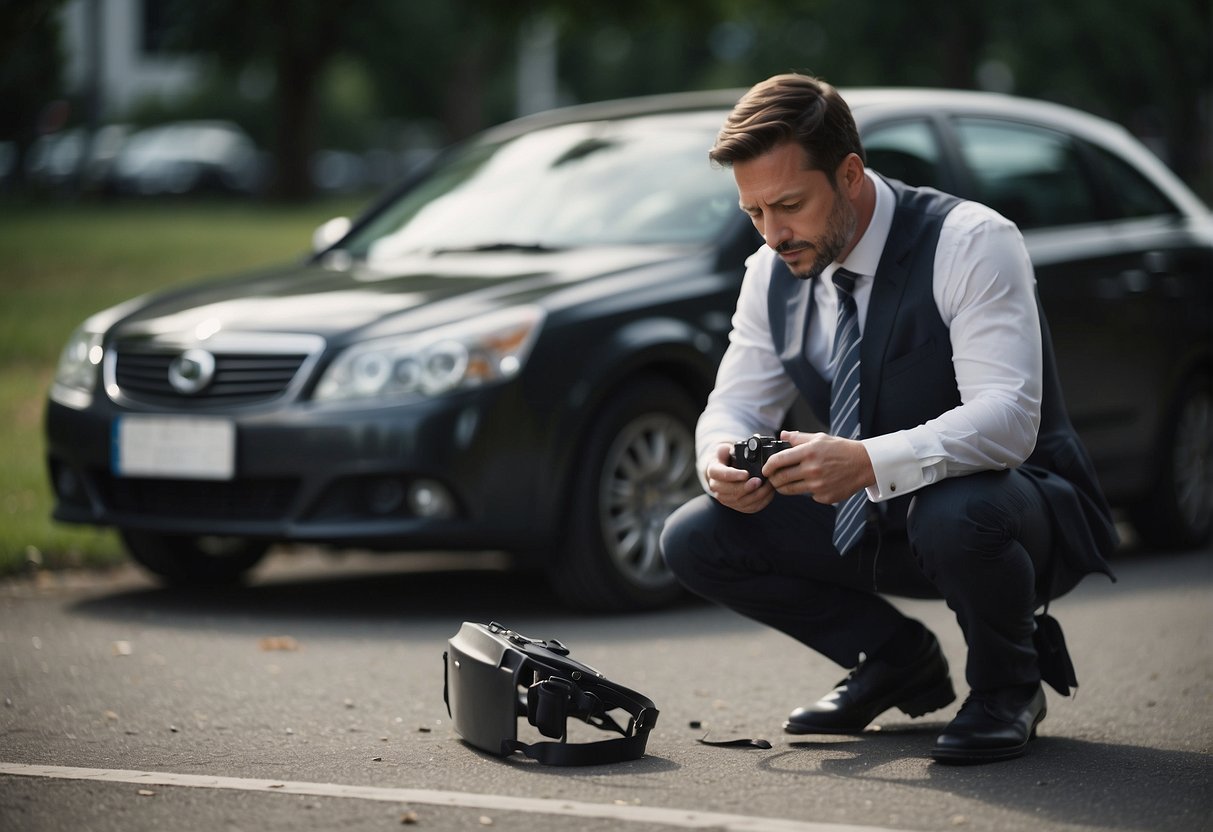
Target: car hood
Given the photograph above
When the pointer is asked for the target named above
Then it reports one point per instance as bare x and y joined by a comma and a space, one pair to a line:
357, 301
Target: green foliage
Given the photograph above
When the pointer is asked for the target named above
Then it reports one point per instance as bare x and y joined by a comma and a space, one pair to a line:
352, 67
31, 73
350, 116
1144, 64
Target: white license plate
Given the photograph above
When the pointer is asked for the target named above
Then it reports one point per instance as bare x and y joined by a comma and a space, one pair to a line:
200, 448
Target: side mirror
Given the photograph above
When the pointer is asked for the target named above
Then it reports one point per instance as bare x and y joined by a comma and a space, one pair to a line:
329, 233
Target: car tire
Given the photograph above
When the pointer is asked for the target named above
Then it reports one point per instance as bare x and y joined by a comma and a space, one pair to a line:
637, 466
199, 561
1179, 511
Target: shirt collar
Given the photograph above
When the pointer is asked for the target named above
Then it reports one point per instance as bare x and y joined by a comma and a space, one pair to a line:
865, 257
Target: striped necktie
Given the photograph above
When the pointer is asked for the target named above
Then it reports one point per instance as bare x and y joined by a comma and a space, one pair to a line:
849, 515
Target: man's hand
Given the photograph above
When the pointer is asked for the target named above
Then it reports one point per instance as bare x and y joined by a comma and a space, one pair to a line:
829, 468
734, 487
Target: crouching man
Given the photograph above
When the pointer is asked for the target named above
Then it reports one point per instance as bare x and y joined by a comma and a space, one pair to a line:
908, 321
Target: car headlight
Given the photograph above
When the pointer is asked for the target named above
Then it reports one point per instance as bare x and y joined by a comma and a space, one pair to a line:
467, 354
76, 375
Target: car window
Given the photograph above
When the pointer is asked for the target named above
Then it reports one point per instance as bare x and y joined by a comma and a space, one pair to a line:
905, 150
1033, 176
1132, 194
638, 180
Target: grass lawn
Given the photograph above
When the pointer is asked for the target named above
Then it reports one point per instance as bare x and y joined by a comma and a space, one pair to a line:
59, 263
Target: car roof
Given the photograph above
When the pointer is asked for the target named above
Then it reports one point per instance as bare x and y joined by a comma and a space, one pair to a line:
869, 103
713, 100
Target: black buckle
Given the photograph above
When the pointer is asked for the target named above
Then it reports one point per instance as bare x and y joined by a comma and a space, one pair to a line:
551, 644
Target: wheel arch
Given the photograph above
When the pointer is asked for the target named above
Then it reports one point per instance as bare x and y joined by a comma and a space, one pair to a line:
587, 567
667, 349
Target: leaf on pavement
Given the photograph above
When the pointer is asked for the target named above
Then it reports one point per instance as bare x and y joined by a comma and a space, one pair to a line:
279, 643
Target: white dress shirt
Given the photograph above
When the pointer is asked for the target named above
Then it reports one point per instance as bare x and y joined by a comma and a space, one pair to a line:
984, 288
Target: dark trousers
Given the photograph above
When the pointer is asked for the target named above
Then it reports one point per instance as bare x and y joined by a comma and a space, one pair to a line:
979, 542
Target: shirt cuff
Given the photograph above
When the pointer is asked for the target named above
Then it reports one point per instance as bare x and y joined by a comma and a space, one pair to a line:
898, 470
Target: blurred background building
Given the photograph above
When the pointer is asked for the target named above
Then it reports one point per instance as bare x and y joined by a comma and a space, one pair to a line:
115, 50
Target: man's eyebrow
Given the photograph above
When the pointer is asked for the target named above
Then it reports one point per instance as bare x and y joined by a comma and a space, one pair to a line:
792, 196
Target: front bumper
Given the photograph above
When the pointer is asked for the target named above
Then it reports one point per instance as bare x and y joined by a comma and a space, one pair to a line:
329, 475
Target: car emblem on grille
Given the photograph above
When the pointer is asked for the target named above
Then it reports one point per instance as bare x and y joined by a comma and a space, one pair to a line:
192, 371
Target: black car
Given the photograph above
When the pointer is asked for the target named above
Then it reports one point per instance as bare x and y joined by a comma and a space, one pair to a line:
510, 352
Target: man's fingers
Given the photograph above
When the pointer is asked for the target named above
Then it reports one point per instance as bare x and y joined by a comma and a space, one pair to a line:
748, 495
755, 501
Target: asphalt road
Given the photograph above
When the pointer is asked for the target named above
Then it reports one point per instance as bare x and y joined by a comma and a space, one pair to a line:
312, 699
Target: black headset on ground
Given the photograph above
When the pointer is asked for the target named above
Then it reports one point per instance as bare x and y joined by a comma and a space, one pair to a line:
494, 676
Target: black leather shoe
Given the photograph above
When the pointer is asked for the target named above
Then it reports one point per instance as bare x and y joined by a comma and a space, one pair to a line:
916, 687
992, 726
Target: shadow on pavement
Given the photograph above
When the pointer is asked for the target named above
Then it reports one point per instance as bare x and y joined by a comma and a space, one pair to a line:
440, 591
1060, 780
649, 764
366, 595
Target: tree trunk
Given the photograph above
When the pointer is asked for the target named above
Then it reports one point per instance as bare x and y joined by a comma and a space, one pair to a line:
964, 37
463, 107
296, 102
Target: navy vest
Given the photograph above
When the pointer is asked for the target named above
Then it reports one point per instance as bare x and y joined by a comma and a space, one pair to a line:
907, 378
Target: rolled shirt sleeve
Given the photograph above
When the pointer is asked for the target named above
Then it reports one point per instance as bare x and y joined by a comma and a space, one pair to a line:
985, 290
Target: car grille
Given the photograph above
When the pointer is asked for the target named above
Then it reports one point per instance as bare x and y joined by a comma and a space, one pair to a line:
240, 378
247, 499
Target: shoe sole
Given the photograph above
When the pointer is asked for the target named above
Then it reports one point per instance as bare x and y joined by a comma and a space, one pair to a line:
938, 696
794, 728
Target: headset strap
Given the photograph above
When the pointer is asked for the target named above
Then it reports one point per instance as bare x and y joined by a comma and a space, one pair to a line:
580, 754
551, 701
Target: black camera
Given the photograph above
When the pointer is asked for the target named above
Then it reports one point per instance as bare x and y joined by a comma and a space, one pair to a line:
751, 454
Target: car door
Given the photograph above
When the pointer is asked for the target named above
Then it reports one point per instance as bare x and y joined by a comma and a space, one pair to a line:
1104, 278
1091, 277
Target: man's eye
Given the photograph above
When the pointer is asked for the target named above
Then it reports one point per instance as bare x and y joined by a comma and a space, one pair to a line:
790, 206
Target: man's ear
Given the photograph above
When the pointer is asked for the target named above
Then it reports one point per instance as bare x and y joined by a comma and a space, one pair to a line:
850, 174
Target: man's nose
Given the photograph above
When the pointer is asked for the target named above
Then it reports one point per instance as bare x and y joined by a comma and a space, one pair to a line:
774, 232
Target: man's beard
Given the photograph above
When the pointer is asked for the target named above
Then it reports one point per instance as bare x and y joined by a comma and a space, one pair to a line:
840, 228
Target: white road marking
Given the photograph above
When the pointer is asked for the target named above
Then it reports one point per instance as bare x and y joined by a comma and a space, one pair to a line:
431, 797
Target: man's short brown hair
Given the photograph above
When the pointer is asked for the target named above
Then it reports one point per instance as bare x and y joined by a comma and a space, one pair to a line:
783, 108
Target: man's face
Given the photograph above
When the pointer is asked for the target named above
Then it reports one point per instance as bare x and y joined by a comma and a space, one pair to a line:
796, 210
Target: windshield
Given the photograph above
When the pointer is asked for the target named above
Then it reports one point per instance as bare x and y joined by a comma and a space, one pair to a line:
637, 180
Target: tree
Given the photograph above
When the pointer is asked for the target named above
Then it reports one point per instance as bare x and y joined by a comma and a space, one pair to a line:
296, 39
439, 58
1144, 64
31, 77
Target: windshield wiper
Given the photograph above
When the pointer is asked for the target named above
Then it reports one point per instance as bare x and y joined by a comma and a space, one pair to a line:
533, 248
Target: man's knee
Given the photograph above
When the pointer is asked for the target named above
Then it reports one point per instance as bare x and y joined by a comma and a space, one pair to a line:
963, 520
958, 519
680, 528
707, 546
